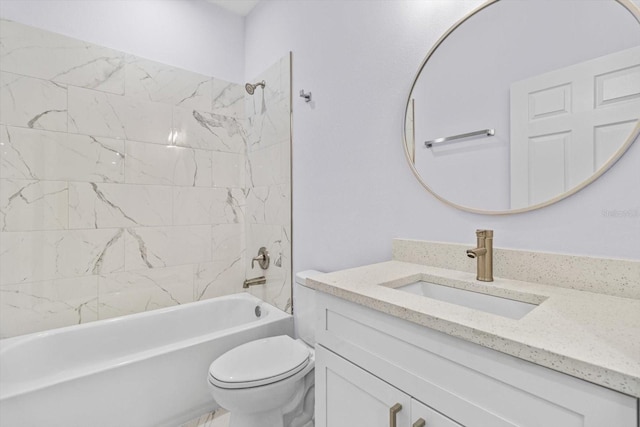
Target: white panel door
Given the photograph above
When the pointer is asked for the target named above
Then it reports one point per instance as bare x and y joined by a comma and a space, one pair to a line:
567, 123
347, 396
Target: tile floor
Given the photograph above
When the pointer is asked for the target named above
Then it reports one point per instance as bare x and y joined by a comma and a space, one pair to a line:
219, 418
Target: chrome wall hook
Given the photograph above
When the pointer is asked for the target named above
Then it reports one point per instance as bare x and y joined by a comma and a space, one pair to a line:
306, 96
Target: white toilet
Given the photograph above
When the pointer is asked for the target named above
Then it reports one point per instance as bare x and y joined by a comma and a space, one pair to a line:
270, 382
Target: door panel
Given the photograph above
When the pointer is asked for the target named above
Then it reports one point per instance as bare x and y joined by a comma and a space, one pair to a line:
596, 103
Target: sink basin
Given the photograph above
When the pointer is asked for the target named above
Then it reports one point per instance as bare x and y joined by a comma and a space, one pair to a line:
483, 302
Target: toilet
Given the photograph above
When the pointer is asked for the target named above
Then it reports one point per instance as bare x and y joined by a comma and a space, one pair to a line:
270, 382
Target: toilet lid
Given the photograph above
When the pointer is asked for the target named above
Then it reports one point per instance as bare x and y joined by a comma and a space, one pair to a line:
259, 362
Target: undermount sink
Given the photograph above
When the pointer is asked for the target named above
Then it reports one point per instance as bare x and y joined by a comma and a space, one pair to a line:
483, 302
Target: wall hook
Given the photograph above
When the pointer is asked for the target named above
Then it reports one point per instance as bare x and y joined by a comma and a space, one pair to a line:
306, 96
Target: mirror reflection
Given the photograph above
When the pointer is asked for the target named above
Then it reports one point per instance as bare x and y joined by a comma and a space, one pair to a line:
524, 102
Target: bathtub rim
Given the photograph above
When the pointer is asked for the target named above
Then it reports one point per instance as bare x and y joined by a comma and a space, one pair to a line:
17, 389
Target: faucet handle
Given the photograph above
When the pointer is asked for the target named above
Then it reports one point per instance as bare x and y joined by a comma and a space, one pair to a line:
262, 258
484, 233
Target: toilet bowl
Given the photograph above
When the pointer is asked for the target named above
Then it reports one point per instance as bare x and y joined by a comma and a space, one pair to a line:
270, 382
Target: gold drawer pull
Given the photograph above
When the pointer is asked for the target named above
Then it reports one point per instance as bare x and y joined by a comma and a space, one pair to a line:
393, 411
419, 423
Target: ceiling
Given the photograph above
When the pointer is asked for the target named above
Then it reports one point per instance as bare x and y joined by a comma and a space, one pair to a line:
240, 7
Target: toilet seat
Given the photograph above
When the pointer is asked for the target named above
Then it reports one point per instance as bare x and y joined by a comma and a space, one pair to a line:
259, 363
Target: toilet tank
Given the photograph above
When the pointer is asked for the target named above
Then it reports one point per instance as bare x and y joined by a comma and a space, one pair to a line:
304, 308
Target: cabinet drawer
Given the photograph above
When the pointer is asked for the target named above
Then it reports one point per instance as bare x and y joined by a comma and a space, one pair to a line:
430, 417
471, 384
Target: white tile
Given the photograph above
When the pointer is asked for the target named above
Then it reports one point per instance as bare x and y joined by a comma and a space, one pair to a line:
39, 306
228, 241
45, 255
156, 247
268, 166
101, 114
228, 206
32, 103
285, 162
208, 131
228, 169
226, 272
193, 168
151, 163
50, 56
193, 205
33, 205
269, 205
272, 125
228, 98
134, 292
158, 82
218, 278
97, 205
35, 154
167, 165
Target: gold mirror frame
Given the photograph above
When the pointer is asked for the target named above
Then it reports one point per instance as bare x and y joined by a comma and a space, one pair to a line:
627, 4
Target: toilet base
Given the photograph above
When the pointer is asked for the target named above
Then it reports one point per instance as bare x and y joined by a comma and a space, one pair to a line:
266, 419
297, 413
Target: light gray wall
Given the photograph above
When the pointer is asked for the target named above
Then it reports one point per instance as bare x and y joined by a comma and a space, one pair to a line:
189, 34
353, 191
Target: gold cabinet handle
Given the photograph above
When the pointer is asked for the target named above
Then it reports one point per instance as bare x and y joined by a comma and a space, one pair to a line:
393, 411
419, 423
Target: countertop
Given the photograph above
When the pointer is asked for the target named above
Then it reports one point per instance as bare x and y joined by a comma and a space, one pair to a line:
588, 335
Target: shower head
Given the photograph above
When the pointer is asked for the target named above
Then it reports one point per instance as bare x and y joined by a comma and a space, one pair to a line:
251, 88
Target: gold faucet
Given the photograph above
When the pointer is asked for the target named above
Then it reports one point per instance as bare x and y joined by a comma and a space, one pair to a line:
484, 255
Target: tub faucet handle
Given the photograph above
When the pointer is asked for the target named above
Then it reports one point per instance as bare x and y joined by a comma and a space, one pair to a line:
262, 258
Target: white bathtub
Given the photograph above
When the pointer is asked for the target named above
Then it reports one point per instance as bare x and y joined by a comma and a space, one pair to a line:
143, 370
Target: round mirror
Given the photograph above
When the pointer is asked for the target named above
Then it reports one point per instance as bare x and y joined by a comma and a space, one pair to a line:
523, 103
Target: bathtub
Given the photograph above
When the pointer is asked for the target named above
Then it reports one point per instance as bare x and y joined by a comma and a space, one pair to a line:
143, 370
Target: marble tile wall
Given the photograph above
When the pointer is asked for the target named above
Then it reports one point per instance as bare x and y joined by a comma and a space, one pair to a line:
122, 182
268, 181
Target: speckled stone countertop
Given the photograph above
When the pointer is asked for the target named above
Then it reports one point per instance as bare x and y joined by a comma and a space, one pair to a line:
588, 335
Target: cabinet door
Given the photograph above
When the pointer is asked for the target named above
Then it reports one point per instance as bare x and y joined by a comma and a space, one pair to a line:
348, 396
429, 417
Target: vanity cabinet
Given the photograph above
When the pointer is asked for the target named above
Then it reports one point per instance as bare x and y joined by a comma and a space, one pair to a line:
354, 397
368, 361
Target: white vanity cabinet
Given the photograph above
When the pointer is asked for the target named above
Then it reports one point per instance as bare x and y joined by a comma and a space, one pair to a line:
368, 361
354, 397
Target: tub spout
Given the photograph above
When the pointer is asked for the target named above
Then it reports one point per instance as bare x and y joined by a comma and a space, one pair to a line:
255, 281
